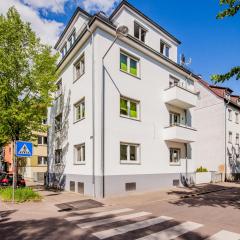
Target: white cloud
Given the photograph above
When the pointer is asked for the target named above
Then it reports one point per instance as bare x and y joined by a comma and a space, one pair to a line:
99, 5
56, 6
47, 30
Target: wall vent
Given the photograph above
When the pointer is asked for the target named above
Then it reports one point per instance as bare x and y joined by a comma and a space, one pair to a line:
81, 187
130, 186
72, 186
176, 182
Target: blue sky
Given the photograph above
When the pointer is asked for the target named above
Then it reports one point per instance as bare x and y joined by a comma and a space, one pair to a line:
212, 44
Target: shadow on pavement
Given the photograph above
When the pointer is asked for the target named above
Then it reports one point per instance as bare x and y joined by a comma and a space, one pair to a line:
4, 215
213, 195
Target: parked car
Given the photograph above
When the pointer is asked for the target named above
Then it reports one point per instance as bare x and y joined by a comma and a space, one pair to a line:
7, 180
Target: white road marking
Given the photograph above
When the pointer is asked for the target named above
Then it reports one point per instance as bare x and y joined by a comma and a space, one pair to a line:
225, 235
173, 232
130, 227
112, 220
100, 214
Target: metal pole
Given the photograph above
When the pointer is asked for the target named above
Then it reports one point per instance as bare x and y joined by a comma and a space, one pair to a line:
14, 166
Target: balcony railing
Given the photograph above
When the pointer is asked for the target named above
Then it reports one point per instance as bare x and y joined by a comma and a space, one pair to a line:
180, 96
179, 133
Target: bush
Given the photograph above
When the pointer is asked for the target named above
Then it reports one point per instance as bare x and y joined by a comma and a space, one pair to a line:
201, 169
20, 195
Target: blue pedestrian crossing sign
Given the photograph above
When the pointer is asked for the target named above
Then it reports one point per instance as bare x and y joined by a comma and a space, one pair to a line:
24, 149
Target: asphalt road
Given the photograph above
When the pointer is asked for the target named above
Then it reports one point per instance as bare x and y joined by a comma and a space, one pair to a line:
212, 216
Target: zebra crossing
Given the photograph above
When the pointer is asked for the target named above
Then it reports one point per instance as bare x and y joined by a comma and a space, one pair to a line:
140, 221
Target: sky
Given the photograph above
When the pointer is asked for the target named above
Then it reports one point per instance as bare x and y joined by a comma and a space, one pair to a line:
213, 45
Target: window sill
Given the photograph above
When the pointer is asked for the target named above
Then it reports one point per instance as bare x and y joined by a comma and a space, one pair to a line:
130, 163
130, 74
135, 119
79, 163
75, 80
175, 164
78, 120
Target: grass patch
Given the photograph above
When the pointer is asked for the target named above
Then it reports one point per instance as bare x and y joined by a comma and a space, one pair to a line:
21, 194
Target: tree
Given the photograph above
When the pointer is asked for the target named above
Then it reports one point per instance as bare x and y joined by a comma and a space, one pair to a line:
27, 79
233, 6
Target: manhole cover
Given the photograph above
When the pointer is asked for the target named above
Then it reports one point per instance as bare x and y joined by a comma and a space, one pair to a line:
79, 205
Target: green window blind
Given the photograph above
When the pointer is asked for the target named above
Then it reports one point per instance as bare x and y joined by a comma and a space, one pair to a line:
123, 107
133, 109
123, 62
133, 67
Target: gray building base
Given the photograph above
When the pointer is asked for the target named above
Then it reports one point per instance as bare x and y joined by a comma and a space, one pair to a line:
123, 184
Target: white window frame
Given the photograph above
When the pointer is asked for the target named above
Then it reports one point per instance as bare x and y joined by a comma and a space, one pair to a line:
64, 50
60, 156
140, 30
230, 137
237, 118
81, 67
42, 160
178, 150
80, 149
72, 38
128, 161
165, 47
129, 57
230, 114
42, 140
237, 138
80, 105
129, 100
60, 123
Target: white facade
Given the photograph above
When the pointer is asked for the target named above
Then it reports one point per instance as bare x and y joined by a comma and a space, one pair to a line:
153, 89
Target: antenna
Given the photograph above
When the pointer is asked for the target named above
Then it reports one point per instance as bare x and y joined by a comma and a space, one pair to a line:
183, 61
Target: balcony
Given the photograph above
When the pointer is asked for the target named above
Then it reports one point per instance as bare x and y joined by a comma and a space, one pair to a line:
180, 97
179, 133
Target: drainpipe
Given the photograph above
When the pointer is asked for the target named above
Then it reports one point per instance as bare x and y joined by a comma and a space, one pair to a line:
225, 164
93, 112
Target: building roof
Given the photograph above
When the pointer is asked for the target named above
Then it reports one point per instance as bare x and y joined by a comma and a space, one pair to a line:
126, 3
221, 92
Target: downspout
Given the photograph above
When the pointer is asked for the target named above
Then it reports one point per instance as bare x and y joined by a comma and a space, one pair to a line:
103, 118
225, 167
93, 112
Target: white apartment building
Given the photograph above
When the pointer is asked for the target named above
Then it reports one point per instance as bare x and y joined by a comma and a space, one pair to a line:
124, 115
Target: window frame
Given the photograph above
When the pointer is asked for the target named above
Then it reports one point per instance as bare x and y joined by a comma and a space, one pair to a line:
77, 148
237, 138
42, 160
60, 156
75, 108
230, 134
128, 160
165, 46
60, 123
42, 140
140, 30
236, 117
72, 36
78, 61
64, 50
179, 158
230, 114
129, 58
129, 101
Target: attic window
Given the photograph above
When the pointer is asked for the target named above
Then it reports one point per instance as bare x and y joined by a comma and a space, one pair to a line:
72, 38
64, 50
164, 48
139, 32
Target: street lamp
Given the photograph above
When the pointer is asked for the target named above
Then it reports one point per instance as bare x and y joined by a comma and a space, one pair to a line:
121, 31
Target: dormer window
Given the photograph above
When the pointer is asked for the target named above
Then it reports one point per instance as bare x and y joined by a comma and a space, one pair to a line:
64, 50
139, 32
72, 38
164, 48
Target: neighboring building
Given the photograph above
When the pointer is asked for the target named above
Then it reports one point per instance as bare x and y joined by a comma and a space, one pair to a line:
129, 126
218, 124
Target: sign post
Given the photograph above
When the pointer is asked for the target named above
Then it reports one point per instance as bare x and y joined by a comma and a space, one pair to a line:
21, 149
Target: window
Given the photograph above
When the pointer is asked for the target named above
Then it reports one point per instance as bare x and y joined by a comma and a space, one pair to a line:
175, 156
64, 50
58, 122
129, 108
58, 156
229, 114
79, 67
59, 88
80, 153
173, 81
44, 121
72, 38
164, 48
79, 110
42, 160
129, 153
174, 119
237, 139
139, 32
42, 140
237, 117
230, 137
129, 64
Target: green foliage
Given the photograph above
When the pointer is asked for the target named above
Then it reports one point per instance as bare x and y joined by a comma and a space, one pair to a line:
201, 169
27, 79
20, 195
233, 8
